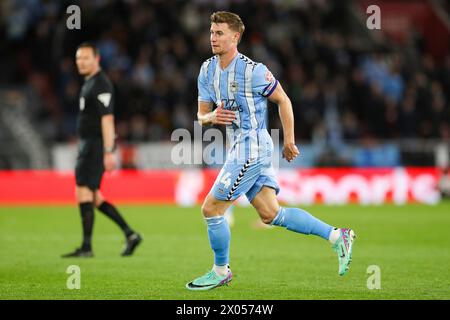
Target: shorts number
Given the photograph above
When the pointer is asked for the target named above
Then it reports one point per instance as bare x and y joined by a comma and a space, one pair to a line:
225, 179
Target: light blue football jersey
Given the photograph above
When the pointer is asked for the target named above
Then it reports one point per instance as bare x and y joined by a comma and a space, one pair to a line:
243, 86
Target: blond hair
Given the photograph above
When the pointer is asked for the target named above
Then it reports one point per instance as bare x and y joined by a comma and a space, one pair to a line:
233, 20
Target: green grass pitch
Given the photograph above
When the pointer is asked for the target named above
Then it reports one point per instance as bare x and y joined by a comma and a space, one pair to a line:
410, 244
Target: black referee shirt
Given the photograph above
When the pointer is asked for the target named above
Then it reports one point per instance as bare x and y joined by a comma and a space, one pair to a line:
96, 100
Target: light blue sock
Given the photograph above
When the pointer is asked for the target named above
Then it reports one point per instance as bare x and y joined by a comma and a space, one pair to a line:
300, 221
219, 237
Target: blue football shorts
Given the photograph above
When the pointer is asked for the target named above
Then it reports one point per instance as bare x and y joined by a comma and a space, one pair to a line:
246, 174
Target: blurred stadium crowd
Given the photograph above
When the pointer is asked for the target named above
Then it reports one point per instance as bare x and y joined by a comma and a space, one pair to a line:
344, 84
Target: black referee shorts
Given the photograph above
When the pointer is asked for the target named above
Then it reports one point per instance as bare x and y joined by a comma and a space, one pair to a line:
89, 167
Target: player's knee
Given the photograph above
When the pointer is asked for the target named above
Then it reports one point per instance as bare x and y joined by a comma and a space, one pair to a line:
207, 209
84, 194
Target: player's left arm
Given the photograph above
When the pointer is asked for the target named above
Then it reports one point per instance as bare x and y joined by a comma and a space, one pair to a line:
108, 134
105, 105
278, 96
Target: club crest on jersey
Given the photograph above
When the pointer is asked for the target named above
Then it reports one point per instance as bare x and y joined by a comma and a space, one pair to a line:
81, 103
234, 86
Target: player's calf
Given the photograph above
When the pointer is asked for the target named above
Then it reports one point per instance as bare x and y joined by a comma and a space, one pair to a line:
267, 216
266, 204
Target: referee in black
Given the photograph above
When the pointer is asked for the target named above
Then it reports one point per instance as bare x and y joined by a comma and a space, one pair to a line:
96, 150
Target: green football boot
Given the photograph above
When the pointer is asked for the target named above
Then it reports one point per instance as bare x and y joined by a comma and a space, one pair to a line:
343, 248
210, 281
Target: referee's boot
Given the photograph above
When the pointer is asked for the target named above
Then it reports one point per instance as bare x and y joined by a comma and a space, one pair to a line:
79, 253
132, 242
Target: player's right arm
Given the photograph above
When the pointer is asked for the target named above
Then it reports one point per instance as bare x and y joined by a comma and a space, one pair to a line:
206, 116
105, 106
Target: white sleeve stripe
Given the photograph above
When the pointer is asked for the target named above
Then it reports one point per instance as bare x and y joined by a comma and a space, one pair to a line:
252, 109
217, 83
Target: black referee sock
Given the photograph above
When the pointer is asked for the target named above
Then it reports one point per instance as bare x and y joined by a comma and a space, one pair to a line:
109, 210
87, 220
